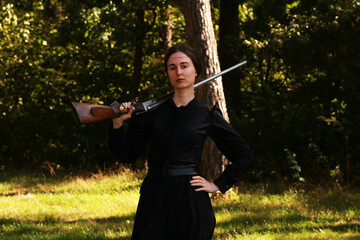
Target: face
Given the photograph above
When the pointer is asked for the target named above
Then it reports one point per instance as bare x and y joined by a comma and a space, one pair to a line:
181, 71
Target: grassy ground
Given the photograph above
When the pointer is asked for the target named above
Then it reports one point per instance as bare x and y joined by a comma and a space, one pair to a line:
102, 206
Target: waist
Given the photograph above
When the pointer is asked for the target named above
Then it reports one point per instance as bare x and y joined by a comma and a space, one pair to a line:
180, 170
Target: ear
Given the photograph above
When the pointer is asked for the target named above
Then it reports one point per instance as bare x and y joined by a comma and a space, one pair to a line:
198, 77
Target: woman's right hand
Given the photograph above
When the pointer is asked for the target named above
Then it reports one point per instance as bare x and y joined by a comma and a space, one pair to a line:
118, 122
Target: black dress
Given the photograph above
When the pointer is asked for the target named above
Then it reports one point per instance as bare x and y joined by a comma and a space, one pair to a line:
169, 207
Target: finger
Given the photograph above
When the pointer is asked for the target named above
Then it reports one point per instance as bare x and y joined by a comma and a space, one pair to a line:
123, 107
197, 182
127, 108
200, 189
197, 177
127, 105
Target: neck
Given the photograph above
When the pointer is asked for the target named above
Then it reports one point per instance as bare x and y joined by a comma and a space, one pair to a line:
182, 98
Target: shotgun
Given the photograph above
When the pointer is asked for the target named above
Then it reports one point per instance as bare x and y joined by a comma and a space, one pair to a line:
85, 113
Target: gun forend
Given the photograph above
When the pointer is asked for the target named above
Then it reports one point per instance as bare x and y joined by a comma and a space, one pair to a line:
85, 113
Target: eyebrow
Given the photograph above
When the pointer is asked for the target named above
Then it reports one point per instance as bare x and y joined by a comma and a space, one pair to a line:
173, 64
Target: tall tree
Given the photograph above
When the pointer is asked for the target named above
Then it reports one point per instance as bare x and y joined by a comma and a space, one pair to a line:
165, 26
201, 36
142, 28
229, 32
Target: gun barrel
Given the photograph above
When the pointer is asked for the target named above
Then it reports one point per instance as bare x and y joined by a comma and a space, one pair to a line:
196, 85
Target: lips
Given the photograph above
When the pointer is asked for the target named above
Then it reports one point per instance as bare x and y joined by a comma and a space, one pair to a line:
180, 80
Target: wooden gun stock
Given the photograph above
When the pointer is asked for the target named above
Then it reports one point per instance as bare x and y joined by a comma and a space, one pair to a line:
85, 113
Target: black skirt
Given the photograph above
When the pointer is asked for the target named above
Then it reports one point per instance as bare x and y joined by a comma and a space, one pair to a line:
169, 209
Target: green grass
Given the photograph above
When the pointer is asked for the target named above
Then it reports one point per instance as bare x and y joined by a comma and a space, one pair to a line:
102, 206
317, 214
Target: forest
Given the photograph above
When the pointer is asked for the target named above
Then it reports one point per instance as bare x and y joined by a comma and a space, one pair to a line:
295, 102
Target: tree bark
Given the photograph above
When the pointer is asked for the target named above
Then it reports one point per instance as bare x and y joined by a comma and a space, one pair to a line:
201, 36
165, 29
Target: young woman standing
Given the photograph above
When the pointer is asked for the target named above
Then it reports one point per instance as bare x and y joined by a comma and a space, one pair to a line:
174, 201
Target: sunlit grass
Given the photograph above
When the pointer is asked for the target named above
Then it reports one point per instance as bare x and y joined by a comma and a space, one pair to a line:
316, 214
102, 206
96, 207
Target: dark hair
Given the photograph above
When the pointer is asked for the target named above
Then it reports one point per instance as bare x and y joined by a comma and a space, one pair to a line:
189, 51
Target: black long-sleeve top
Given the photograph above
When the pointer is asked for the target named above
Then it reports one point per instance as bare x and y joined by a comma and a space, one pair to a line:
177, 138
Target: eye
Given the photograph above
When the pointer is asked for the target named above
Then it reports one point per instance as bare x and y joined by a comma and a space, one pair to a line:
184, 66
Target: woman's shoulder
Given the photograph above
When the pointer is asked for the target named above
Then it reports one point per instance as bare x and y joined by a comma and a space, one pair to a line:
208, 108
211, 113
201, 105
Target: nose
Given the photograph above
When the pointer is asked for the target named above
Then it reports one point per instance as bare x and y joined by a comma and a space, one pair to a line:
178, 71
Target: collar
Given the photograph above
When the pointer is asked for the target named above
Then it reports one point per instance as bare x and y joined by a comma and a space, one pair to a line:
172, 103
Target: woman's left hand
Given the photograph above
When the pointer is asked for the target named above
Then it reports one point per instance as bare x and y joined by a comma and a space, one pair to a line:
203, 184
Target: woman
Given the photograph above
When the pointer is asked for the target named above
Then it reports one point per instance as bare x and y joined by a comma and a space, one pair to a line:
174, 201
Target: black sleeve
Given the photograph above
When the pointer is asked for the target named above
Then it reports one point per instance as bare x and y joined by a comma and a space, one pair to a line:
235, 149
126, 146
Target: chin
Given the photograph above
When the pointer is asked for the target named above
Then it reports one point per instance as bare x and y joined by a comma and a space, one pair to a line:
191, 87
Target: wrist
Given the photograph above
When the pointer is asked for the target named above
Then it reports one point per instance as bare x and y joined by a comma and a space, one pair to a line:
217, 188
117, 124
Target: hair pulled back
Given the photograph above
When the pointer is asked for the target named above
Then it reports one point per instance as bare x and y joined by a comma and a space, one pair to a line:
189, 51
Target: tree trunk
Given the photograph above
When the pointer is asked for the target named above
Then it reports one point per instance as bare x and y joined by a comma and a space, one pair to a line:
229, 33
201, 37
165, 29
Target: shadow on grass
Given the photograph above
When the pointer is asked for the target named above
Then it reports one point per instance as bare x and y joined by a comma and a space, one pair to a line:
278, 220
339, 201
114, 228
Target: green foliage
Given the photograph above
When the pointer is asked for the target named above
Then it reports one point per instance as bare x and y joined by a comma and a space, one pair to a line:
300, 88
84, 53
